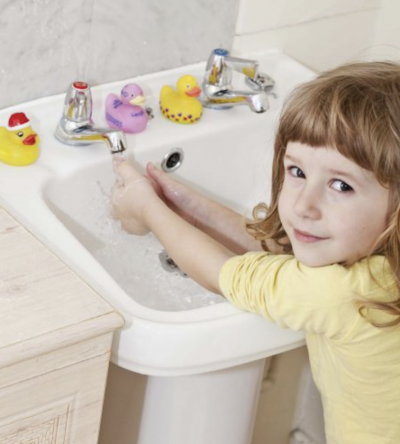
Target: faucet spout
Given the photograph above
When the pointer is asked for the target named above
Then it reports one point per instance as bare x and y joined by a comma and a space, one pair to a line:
71, 134
76, 127
257, 102
116, 141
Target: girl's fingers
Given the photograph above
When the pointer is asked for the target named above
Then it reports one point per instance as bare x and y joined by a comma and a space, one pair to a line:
168, 185
126, 171
156, 187
153, 172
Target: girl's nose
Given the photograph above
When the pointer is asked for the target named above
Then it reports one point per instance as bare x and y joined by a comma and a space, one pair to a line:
308, 203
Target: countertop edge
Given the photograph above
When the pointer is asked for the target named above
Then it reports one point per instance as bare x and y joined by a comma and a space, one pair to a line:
57, 339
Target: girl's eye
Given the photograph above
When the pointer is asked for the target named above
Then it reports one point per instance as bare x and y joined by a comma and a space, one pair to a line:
341, 186
296, 172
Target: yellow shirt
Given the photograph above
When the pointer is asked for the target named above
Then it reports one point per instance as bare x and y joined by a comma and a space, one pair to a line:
356, 366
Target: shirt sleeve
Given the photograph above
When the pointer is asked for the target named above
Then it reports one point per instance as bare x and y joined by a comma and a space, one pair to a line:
317, 300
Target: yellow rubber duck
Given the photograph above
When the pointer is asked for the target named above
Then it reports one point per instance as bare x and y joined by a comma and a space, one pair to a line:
19, 144
181, 106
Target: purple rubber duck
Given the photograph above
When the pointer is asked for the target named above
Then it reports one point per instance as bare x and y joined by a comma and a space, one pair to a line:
125, 113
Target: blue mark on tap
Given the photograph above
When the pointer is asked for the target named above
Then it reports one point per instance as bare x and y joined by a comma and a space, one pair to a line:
221, 52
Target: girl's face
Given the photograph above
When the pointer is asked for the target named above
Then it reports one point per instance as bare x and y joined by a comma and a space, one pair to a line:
332, 210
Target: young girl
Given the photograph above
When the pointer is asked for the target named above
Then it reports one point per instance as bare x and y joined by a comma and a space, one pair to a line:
334, 220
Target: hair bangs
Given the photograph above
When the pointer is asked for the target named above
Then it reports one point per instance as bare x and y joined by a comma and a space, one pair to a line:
329, 117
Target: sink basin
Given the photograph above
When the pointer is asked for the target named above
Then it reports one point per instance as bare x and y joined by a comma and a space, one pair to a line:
173, 326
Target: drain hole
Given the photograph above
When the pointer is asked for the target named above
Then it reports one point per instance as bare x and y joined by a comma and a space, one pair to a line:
172, 161
169, 265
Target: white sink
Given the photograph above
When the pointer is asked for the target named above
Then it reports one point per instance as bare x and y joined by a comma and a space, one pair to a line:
173, 326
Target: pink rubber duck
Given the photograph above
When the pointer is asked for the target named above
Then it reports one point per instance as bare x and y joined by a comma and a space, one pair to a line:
125, 113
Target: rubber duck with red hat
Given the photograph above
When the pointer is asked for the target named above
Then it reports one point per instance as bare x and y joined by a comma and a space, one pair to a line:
19, 144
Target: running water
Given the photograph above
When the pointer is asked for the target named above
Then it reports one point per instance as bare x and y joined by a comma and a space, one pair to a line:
135, 263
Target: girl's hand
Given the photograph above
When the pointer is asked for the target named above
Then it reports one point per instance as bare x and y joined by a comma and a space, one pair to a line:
132, 193
218, 221
137, 204
179, 197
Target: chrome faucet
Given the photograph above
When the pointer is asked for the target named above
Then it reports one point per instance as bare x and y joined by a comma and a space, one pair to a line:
217, 88
76, 126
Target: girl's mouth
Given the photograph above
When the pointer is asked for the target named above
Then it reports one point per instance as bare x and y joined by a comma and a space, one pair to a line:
305, 237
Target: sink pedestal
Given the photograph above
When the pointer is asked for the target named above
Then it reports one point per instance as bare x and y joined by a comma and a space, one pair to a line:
213, 408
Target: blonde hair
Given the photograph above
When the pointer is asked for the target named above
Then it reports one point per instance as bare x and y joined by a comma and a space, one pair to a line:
355, 109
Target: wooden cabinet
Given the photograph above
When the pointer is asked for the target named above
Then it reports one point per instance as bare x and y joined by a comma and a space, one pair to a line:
55, 341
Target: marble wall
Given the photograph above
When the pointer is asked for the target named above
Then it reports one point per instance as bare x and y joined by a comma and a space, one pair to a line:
46, 44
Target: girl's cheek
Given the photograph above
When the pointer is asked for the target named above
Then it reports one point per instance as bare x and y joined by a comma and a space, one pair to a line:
282, 205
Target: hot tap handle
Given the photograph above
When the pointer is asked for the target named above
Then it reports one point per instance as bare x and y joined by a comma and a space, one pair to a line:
78, 103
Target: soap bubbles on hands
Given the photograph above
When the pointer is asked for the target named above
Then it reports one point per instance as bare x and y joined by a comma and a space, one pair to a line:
134, 262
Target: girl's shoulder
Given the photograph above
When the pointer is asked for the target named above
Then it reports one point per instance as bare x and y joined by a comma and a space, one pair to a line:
369, 277
379, 281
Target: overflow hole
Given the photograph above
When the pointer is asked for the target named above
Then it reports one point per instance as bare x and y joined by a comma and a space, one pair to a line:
172, 160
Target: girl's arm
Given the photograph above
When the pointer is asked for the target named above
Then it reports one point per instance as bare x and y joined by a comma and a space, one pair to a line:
140, 210
220, 222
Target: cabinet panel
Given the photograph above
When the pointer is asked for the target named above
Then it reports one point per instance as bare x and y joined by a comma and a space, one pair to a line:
48, 427
62, 406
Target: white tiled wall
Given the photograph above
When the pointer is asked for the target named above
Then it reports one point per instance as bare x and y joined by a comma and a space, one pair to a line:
263, 15
387, 37
320, 34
